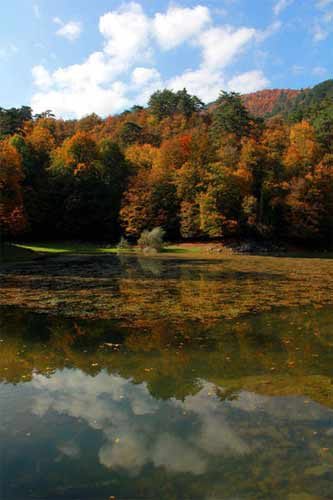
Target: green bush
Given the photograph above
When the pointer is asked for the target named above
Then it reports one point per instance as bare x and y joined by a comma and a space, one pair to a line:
152, 240
123, 244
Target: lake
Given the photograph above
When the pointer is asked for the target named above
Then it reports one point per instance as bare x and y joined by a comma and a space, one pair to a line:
166, 378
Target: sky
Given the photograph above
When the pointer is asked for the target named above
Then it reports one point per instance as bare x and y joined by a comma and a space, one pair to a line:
76, 57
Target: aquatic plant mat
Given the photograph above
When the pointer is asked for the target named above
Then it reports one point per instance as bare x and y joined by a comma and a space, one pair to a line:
139, 290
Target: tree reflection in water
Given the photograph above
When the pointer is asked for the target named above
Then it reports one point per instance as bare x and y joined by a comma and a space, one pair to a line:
236, 410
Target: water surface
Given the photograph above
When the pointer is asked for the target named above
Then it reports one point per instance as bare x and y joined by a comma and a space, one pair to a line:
171, 408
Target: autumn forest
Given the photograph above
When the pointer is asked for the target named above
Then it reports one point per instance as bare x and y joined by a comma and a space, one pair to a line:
258, 166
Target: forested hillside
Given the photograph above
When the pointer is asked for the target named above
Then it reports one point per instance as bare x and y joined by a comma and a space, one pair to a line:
270, 102
217, 172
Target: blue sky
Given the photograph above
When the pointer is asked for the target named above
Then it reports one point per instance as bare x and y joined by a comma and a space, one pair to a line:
81, 56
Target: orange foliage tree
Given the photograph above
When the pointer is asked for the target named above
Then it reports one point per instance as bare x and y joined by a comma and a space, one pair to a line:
12, 218
199, 172
303, 151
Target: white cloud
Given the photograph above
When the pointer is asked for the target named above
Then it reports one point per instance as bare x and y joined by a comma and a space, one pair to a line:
71, 30
120, 74
41, 76
204, 83
134, 429
97, 69
178, 456
248, 82
142, 76
126, 33
221, 45
81, 89
179, 24
77, 103
281, 5
91, 86
145, 81
114, 405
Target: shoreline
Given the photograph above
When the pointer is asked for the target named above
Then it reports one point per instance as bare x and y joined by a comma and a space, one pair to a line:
23, 252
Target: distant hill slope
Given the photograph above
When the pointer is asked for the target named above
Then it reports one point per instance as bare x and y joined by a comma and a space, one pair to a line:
270, 102
308, 105
322, 91
303, 103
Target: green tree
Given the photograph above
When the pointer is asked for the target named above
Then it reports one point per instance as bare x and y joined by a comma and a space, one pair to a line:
90, 179
230, 116
12, 120
165, 103
130, 133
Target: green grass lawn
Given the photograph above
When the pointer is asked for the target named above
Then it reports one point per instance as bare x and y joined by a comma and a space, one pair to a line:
24, 251
90, 248
66, 247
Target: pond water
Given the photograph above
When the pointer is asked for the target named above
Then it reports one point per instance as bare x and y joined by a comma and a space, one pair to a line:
167, 406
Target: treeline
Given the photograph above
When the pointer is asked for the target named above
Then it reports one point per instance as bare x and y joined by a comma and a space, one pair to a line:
197, 172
